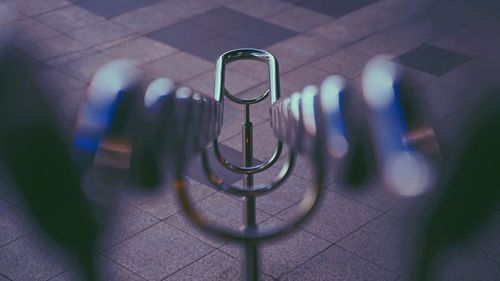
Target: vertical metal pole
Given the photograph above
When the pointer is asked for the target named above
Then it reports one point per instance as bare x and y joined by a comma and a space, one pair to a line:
250, 262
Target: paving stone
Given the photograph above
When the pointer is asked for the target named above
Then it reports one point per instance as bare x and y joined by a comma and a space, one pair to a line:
85, 67
473, 39
338, 264
213, 48
8, 15
148, 19
124, 221
336, 217
251, 68
154, 254
296, 80
346, 62
446, 16
214, 266
108, 271
53, 47
336, 9
299, 19
26, 31
454, 264
357, 25
100, 33
68, 107
285, 254
264, 142
381, 242
183, 35
300, 49
31, 258
261, 34
187, 8
261, 8
433, 60
141, 50
221, 209
179, 67
14, 223
65, 59
34, 7
486, 241
163, 203
235, 83
224, 20
69, 18
113, 8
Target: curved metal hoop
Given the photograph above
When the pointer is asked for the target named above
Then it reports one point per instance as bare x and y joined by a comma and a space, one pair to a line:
306, 206
258, 190
247, 170
235, 99
247, 54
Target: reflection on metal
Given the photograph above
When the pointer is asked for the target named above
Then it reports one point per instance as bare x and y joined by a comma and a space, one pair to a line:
251, 234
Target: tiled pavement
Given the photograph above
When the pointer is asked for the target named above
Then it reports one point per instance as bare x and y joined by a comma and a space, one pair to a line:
353, 236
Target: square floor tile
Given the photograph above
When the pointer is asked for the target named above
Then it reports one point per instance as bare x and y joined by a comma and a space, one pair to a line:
223, 20
338, 264
283, 255
158, 252
261, 34
14, 223
335, 8
336, 217
183, 35
213, 48
433, 60
113, 8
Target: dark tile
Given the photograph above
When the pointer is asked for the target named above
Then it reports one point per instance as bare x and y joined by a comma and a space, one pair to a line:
433, 60
182, 35
261, 34
212, 49
113, 8
223, 20
195, 169
334, 8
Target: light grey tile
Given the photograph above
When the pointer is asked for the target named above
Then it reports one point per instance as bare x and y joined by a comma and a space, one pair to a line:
296, 80
141, 50
148, 18
54, 47
14, 223
336, 217
346, 62
338, 264
235, 83
219, 209
31, 258
179, 67
155, 253
69, 18
85, 67
299, 19
282, 256
124, 221
214, 266
301, 49
26, 31
8, 15
100, 33
108, 270
381, 242
34, 7
187, 8
163, 203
